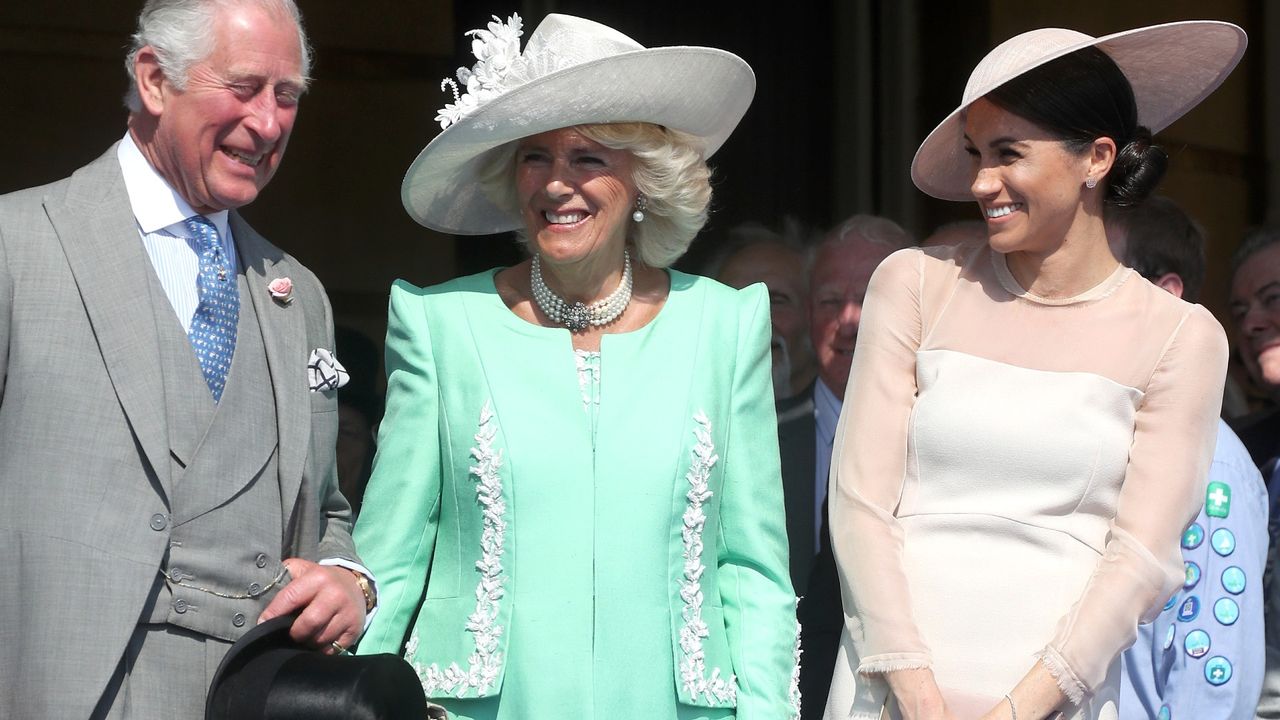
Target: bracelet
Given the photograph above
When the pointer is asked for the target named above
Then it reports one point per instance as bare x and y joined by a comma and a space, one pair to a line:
1013, 709
367, 589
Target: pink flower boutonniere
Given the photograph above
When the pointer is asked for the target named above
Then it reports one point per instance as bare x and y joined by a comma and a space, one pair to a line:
281, 290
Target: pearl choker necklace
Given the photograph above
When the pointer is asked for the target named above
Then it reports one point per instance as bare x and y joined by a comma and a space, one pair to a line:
577, 316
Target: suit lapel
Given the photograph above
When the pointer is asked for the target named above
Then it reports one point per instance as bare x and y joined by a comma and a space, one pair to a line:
284, 336
99, 236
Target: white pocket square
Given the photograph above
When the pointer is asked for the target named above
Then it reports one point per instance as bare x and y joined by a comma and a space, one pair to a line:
324, 372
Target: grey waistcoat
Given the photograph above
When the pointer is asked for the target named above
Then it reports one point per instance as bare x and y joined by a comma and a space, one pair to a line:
226, 536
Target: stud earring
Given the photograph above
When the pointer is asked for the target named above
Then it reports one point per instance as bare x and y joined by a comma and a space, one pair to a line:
642, 203
1091, 183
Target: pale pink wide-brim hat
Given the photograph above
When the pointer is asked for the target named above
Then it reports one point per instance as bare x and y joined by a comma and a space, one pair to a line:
1172, 67
572, 72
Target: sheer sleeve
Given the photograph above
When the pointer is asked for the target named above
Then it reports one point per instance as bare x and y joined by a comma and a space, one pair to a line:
1173, 441
868, 467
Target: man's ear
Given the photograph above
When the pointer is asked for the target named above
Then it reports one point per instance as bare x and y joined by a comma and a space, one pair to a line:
1171, 282
152, 86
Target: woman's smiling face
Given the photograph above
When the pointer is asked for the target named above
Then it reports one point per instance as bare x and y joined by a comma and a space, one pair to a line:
1028, 184
576, 195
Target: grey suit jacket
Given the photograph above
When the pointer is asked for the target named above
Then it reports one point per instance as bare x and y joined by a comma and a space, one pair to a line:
84, 453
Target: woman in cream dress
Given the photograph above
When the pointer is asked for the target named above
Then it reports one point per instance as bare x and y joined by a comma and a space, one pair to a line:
1030, 422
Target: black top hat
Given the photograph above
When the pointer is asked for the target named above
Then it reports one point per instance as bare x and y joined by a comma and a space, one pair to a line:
268, 676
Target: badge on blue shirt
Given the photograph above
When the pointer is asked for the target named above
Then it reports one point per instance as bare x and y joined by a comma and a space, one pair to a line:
1223, 541
1196, 643
1217, 670
1233, 580
1193, 536
1192, 575
1226, 611
1189, 609
1217, 500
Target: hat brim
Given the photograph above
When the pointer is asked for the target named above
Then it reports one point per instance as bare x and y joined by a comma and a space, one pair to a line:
265, 636
1171, 67
698, 90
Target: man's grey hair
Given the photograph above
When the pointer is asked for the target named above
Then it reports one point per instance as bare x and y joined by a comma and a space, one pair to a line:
180, 33
871, 228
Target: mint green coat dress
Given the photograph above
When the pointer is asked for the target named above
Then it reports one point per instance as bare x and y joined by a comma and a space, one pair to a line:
537, 560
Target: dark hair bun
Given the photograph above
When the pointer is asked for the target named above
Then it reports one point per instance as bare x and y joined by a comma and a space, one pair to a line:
1137, 170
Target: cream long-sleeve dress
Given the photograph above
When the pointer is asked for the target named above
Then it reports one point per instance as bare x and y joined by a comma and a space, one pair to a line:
1011, 478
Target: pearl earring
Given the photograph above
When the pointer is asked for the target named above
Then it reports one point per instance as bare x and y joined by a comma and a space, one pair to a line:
642, 203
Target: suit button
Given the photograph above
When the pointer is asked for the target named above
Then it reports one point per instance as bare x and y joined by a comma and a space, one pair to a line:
238, 620
179, 606
159, 521
261, 560
255, 589
176, 574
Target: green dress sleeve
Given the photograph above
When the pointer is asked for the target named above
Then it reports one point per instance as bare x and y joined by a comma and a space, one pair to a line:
754, 576
396, 530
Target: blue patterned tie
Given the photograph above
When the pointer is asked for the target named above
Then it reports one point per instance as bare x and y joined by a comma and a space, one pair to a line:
213, 327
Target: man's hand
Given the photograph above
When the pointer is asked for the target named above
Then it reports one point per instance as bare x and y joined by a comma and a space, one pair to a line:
328, 601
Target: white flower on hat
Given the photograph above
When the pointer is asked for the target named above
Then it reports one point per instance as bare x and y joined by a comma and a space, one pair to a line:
572, 71
497, 50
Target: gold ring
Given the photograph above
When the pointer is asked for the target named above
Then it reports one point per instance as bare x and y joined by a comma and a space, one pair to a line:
337, 648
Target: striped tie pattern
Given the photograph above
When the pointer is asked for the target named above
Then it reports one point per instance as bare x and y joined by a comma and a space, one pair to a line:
213, 327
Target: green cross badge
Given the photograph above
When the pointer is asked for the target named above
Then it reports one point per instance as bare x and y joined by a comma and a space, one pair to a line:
1217, 500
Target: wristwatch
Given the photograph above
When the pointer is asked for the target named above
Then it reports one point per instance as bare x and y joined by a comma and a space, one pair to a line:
370, 592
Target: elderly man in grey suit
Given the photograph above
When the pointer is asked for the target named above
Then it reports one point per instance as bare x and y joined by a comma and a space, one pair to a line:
168, 399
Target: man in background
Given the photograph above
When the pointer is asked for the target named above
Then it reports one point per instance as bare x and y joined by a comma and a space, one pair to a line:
840, 271
756, 254
1203, 656
1255, 308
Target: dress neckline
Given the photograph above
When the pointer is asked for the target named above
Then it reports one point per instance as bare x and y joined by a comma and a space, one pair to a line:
524, 327
1103, 289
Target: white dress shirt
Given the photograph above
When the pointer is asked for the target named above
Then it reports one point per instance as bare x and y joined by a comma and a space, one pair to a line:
160, 212
175, 254
826, 413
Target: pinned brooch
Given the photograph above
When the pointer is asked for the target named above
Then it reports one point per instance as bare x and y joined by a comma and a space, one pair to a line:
281, 290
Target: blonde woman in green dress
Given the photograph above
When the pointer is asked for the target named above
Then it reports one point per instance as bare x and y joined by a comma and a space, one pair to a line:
576, 507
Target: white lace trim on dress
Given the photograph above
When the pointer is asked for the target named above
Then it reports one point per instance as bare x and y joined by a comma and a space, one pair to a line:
693, 667
1070, 685
793, 690
485, 664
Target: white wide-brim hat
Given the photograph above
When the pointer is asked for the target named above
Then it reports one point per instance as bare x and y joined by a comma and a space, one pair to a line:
1172, 67
572, 72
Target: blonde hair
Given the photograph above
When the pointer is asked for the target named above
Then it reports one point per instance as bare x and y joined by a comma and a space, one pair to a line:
669, 171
